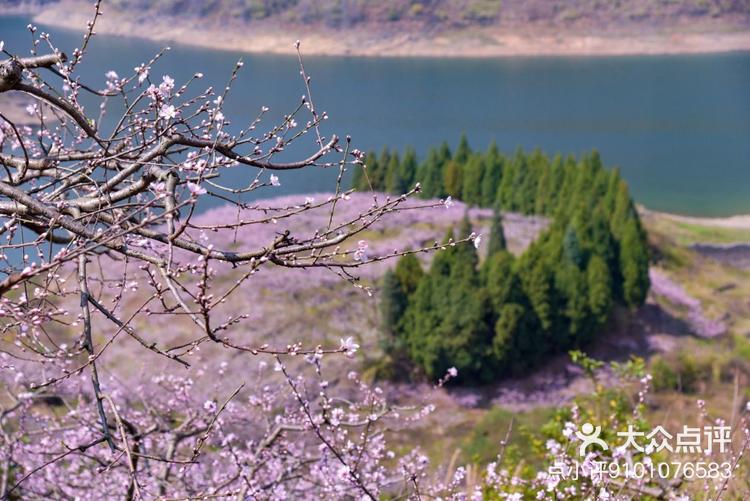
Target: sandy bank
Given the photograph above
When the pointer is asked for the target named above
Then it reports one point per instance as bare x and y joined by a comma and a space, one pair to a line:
490, 41
738, 222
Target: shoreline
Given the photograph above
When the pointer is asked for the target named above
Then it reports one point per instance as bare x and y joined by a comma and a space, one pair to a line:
477, 42
733, 222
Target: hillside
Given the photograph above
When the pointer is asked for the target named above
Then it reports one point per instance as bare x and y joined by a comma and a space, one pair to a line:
419, 27
690, 292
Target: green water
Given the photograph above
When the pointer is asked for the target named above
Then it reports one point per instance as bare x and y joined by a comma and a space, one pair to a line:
678, 126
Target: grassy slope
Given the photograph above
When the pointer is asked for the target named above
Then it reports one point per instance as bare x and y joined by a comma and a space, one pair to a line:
468, 423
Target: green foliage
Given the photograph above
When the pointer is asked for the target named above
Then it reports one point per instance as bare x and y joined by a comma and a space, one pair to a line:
463, 152
509, 313
686, 371
599, 283
472, 180
588, 364
397, 287
634, 264
446, 320
497, 241
393, 303
664, 377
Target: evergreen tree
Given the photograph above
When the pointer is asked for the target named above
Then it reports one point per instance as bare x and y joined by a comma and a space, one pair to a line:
397, 288
504, 196
393, 303
544, 198
600, 289
493, 172
623, 210
380, 170
472, 180
449, 316
572, 284
518, 338
501, 280
406, 173
444, 153
453, 178
393, 173
409, 273
537, 279
508, 329
497, 235
463, 152
431, 176
557, 174
572, 250
509, 313
634, 264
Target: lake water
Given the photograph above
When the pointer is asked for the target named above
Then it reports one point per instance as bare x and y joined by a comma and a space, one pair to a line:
678, 126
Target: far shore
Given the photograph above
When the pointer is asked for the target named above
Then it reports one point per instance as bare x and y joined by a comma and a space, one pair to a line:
735, 222
477, 42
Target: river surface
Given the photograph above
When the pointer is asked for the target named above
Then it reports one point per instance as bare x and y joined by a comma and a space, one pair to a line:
677, 126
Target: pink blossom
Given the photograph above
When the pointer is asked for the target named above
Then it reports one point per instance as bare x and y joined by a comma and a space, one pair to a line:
348, 346
196, 189
167, 112
166, 85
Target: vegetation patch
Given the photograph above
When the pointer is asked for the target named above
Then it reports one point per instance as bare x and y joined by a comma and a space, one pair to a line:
507, 314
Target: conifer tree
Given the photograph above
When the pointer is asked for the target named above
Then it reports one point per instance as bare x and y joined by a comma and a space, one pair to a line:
380, 170
472, 180
634, 264
393, 172
509, 313
448, 316
493, 172
504, 195
497, 234
453, 178
501, 280
537, 279
518, 340
406, 172
600, 289
623, 210
544, 199
573, 286
444, 153
431, 175
409, 273
463, 151
397, 288
572, 250
393, 303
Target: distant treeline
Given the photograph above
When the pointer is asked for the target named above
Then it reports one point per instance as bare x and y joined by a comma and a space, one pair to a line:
508, 313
